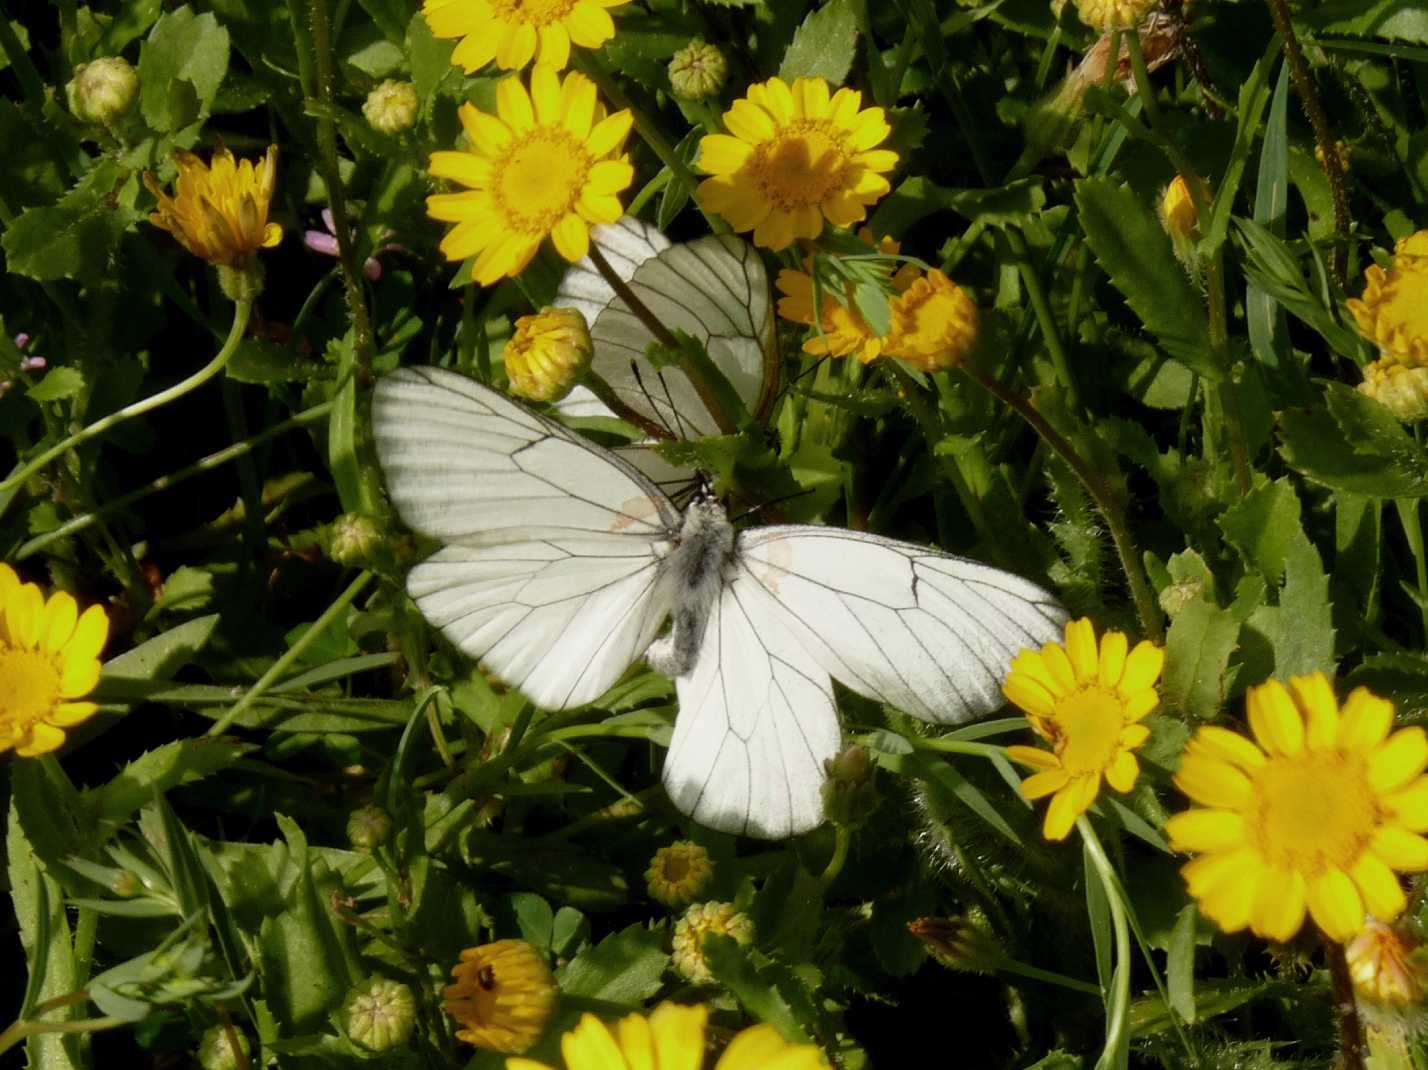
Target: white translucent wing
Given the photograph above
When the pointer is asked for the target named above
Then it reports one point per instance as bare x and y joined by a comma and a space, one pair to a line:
714, 289
927, 632
626, 244
756, 723
465, 464
559, 619
554, 574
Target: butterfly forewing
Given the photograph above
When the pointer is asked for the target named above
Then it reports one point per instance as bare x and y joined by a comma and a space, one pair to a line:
929, 633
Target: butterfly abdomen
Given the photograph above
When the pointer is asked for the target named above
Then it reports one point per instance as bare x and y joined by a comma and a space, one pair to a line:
696, 567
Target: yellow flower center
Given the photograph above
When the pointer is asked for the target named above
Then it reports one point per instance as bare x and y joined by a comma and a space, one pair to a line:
1298, 825
676, 868
29, 686
539, 179
531, 12
1088, 726
801, 166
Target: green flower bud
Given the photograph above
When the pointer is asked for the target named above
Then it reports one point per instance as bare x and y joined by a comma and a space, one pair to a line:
355, 539
102, 92
697, 71
392, 107
216, 1052
964, 944
699, 921
368, 827
379, 1014
126, 884
849, 794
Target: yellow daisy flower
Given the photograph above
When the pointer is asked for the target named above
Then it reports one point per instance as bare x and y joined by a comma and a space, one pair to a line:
1087, 701
934, 324
678, 873
794, 157
673, 1038
547, 164
513, 32
1318, 815
843, 330
1392, 312
220, 211
503, 996
49, 657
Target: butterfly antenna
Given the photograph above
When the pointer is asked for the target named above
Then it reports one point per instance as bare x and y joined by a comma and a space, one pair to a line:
675, 432
772, 503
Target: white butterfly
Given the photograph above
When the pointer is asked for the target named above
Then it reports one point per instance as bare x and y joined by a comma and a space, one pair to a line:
562, 562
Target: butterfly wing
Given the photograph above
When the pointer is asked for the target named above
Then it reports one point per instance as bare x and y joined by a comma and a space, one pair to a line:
553, 573
927, 632
756, 723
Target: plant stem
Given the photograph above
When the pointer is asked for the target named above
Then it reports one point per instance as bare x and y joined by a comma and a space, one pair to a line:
241, 310
286, 659
1107, 500
1314, 107
1351, 1030
842, 839
1118, 998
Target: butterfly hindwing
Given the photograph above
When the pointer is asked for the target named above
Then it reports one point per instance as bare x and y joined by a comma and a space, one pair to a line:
756, 723
927, 632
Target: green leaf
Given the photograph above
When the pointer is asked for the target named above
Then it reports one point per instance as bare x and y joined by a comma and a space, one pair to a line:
165, 653
1395, 20
1261, 526
1197, 652
1135, 253
763, 992
823, 46
1357, 445
75, 237
58, 384
1265, 319
625, 967
180, 762
181, 64
1180, 964
916, 198
535, 918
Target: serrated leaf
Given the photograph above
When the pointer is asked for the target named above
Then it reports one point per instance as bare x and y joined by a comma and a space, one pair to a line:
165, 653
1261, 525
181, 65
1357, 445
765, 995
58, 384
75, 237
916, 198
1197, 651
625, 967
1394, 20
1136, 255
1300, 629
180, 762
823, 45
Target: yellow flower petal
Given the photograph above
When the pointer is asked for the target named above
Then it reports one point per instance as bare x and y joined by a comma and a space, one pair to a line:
1123, 771
1068, 804
61, 614
1027, 694
1409, 805
1316, 698
1205, 830
1212, 783
1405, 851
1335, 905
1399, 761
1040, 785
1382, 894
1274, 719
1280, 903
1034, 757
1081, 649
679, 1036
1365, 721
1112, 663
1143, 667
43, 739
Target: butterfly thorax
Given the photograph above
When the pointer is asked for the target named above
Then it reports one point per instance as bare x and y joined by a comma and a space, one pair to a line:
695, 567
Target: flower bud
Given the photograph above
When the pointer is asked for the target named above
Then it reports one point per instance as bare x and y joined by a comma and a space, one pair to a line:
849, 794
1178, 216
1400, 388
379, 1014
1110, 15
697, 71
355, 539
126, 884
216, 1052
699, 921
392, 107
679, 873
102, 92
963, 944
549, 353
502, 996
368, 827
1385, 966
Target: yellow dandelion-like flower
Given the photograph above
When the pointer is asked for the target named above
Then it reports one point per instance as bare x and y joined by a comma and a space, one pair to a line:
547, 163
1385, 965
794, 157
700, 921
1392, 312
49, 658
673, 1038
1316, 814
1109, 15
503, 996
679, 873
219, 211
1087, 701
842, 329
934, 324
1401, 388
549, 353
513, 32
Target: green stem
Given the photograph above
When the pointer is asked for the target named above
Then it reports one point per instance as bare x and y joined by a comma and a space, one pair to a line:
1108, 501
1118, 998
1022, 969
19, 1031
1351, 1030
1413, 531
212, 461
285, 661
1041, 307
86, 929
241, 310
842, 839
